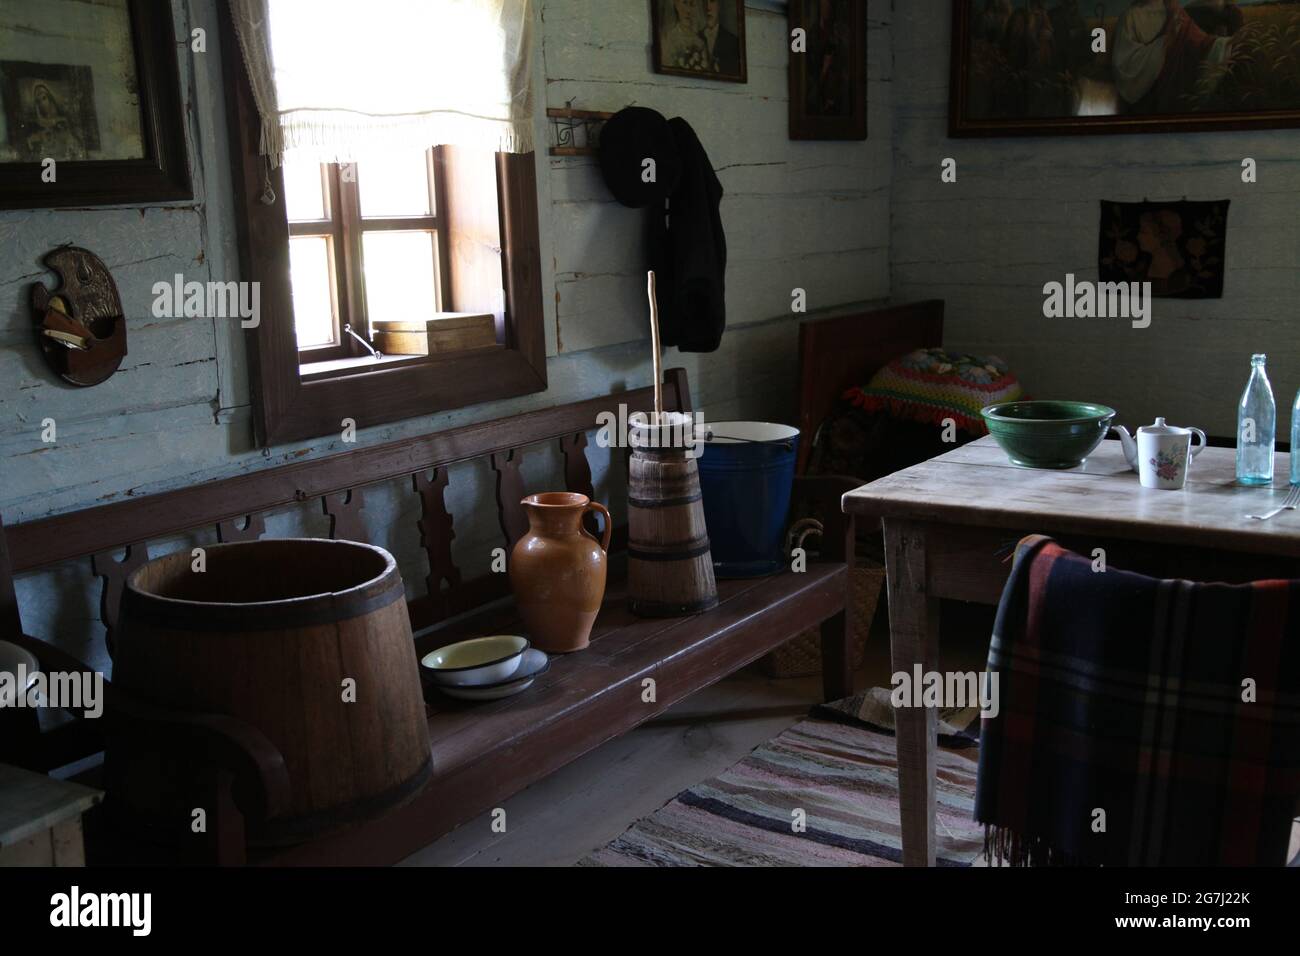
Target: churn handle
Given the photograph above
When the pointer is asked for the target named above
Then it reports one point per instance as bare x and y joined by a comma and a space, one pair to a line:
607, 524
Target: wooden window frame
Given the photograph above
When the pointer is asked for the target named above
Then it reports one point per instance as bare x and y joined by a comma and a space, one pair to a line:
341, 264
345, 227
286, 408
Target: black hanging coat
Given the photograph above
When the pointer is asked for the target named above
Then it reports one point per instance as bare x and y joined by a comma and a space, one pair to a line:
688, 251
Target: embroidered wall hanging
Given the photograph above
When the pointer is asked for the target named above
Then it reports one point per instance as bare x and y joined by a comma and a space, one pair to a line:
1176, 246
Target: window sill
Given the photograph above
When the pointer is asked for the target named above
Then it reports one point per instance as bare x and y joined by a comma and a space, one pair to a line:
366, 364
337, 368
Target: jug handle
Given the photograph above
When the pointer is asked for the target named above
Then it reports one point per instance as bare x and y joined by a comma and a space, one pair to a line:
607, 523
1197, 449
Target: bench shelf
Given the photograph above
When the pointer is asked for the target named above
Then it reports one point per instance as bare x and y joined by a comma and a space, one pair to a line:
483, 753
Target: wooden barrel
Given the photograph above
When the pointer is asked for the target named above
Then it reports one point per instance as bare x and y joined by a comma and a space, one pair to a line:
670, 569
306, 640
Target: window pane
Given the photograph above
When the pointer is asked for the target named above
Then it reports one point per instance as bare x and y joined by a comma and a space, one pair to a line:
304, 192
313, 301
394, 185
399, 275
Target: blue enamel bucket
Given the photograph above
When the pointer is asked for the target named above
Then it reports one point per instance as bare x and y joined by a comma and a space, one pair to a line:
746, 472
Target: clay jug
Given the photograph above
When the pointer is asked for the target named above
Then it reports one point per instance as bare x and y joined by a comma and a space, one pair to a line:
557, 570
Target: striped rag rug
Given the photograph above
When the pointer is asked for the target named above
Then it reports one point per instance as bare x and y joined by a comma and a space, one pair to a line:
840, 774
1141, 722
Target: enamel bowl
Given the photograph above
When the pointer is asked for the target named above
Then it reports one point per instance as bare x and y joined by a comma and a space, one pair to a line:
535, 664
1048, 434
479, 661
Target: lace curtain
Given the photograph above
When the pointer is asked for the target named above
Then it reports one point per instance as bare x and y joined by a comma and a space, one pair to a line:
338, 79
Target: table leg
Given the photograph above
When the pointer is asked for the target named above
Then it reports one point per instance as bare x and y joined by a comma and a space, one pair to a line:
913, 639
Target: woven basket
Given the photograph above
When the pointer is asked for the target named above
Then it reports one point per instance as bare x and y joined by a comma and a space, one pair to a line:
802, 655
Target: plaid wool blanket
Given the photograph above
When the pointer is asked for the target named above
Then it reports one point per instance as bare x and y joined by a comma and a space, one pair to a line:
1141, 722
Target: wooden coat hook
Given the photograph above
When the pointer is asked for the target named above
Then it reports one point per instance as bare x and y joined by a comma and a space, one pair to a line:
82, 329
577, 132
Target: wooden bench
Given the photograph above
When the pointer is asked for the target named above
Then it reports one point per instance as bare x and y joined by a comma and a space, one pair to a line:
482, 753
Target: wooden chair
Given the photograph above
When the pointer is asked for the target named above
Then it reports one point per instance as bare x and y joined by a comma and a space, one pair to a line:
1089, 731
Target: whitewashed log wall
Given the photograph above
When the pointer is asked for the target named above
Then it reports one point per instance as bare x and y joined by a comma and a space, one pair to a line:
808, 215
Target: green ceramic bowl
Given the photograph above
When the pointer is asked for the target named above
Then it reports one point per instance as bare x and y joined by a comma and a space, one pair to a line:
1048, 434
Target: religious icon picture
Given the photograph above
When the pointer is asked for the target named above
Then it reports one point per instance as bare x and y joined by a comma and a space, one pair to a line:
1123, 66
91, 103
49, 111
828, 69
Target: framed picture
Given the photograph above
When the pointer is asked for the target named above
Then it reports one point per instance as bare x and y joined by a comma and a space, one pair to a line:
828, 75
1026, 67
701, 38
92, 106
1176, 246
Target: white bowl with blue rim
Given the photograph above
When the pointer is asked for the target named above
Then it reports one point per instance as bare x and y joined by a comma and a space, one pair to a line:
476, 662
535, 663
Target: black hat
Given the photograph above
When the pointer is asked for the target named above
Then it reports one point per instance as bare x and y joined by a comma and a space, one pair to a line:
633, 135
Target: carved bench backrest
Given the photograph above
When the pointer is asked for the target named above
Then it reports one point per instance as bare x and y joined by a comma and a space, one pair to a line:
235, 508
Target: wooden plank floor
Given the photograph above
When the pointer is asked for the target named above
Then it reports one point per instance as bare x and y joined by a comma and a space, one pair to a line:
592, 800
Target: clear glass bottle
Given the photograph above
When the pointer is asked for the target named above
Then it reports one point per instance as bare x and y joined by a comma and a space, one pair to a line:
1295, 441
1256, 427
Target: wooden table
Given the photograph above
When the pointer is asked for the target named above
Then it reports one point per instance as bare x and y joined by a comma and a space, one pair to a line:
951, 523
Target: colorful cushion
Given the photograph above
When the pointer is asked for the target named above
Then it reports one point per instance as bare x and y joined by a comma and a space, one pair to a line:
930, 385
